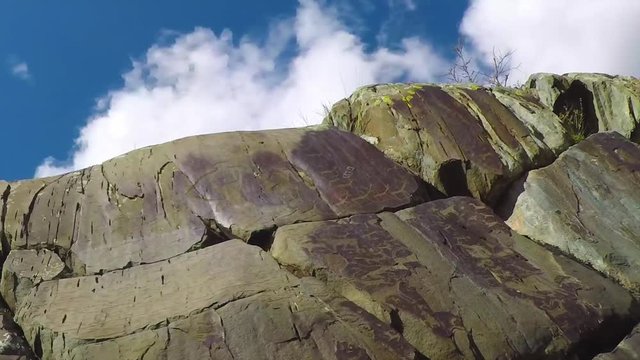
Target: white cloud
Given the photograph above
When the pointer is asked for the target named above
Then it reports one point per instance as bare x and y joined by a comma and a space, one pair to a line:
410, 5
205, 83
558, 35
21, 70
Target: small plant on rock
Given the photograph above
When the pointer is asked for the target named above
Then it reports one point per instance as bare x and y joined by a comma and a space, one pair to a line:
572, 117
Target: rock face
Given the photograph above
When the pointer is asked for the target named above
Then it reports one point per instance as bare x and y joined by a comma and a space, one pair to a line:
372, 236
226, 301
456, 281
475, 141
606, 103
159, 202
587, 204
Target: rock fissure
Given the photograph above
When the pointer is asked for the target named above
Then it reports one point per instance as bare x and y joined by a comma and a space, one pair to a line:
26, 217
4, 242
159, 187
421, 142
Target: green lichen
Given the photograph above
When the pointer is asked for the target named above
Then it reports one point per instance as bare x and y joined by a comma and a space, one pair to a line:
411, 91
407, 99
383, 99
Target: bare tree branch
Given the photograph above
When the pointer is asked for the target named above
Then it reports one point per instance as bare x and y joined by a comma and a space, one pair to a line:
501, 68
464, 69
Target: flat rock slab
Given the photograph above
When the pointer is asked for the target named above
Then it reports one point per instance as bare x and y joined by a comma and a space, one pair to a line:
458, 283
227, 301
161, 201
587, 204
628, 349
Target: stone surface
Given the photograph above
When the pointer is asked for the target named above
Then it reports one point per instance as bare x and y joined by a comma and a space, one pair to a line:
159, 202
458, 283
587, 204
468, 140
463, 140
628, 349
229, 300
24, 269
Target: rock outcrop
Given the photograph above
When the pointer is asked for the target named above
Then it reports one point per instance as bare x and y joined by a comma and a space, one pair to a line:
457, 282
418, 221
587, 204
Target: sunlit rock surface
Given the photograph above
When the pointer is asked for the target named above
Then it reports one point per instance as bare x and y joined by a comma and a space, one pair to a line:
587, 204
458, 281
419, 221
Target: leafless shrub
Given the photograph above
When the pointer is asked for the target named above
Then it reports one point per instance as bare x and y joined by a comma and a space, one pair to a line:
465, 69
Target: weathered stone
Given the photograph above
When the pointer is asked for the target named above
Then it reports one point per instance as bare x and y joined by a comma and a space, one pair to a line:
628, 349
227, 300
161, 201
587, 204
463, 140
283, 325
550, 133
24, 269
604, 102
121, 302
458, 283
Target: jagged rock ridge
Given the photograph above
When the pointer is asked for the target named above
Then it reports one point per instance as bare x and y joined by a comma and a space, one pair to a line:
380, 234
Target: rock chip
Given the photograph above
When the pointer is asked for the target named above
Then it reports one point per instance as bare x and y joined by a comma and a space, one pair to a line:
458, 283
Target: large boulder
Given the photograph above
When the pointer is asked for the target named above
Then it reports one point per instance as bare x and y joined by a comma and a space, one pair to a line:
458, 283
469, 140
587, 204
465, 140
165, 200
227, 301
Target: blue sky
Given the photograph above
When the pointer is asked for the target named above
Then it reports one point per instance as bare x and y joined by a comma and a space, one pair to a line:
83, 81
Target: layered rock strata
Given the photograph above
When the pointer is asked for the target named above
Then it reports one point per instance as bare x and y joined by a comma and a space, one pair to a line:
372, 236
587, 204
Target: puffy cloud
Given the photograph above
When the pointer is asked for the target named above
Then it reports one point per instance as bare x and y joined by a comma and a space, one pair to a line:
205, 82
20, 70
557, 36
